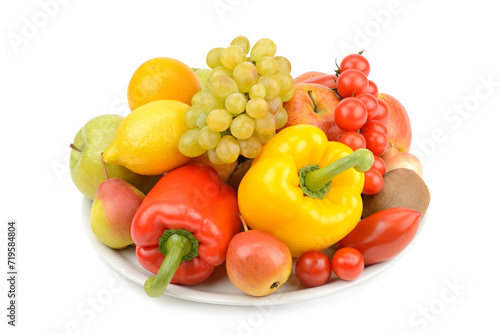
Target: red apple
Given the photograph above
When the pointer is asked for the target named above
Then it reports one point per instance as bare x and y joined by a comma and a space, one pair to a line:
314, 104
307, 75
395, 159
398, 126
257, 262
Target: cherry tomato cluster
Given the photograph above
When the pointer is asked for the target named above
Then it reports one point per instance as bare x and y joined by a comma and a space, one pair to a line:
362, 116
314, 268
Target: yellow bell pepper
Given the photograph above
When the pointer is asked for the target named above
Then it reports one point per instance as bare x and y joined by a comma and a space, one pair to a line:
304, 189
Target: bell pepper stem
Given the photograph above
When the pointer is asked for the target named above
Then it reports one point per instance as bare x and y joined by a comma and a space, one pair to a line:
361, 160
178, 246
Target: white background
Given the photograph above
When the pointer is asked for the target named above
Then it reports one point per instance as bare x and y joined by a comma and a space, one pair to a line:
434, 57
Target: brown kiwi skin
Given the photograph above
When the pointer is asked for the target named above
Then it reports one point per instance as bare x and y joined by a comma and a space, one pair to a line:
402, 188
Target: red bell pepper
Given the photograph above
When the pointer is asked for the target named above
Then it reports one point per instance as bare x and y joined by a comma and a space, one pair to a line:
383, 235
183, 227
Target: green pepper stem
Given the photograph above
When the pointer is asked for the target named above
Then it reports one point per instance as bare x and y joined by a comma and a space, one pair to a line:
177, 246
361, 160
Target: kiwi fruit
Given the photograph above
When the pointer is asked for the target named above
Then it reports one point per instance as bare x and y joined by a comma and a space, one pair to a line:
402, 188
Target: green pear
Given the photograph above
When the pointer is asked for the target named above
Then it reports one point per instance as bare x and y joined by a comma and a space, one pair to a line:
113, 210
85, 159
203, 74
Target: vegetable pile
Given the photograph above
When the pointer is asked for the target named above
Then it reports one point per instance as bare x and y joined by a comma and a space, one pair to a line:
243, 166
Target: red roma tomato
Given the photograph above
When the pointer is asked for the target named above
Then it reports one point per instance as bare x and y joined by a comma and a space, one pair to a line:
307, 75
371, 104
355, 62
350, 114
379, 165
328, 80
348, 263
375, 126
383, 235
383, 112
373, 182
372, 88
353, 139
351, 82
313, 268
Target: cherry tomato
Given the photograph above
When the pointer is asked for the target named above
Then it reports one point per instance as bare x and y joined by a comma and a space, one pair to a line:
370, 103
351, 82
313, 268
353, 139
348, 263
373, 182
383, 112
350, 114
376, 141
372, 88
379, 165
374, 125
355, 62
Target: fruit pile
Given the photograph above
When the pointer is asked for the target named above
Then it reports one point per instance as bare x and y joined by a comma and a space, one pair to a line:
360, 115
242, 164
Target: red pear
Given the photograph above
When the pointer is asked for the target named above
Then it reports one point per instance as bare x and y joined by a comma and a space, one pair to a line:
113, 210
257, 262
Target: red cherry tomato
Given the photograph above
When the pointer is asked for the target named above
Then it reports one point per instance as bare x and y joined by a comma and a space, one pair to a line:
355, 62
313, 268
372, 89
383, 112
375, 126
351, 82
348, 263
353, 139
373, 182
376, 141
379, 165
350, 114
371, 104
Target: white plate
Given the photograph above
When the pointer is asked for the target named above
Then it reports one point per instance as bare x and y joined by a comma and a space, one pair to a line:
218, 289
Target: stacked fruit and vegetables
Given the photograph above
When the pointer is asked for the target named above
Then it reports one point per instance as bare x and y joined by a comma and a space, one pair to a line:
242, 164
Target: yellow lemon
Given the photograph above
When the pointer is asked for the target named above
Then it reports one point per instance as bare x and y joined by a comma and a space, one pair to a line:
146, 141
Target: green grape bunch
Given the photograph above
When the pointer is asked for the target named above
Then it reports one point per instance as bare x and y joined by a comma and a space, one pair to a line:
243, 105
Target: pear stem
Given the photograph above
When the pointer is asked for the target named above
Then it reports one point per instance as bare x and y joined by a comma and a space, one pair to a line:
75, 148
104, 167
245, 227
